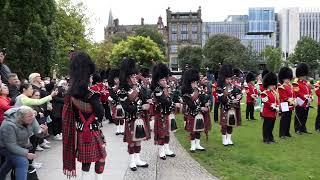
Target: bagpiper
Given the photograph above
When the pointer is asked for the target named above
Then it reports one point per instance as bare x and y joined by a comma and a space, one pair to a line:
82, 117
251, 95
229, 98
117, 111
303, 93
287, 101
164, 110
194, 114
270, 108
137, 127
317, 91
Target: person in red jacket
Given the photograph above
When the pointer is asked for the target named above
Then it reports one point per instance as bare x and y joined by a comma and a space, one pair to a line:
317, 91
4, 101
287, 101
216, 101
270, 106
303, 93
252, 93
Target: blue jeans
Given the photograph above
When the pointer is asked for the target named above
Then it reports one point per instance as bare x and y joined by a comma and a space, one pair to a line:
20, 163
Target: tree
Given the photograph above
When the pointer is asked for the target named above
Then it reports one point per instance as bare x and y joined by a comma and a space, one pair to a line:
224, 49
26, 33
154, 35
143, 49
70, 28
307, 50
100, 53
273, 58
191, 56
252, 59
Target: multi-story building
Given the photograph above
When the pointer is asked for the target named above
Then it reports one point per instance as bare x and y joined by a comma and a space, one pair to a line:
258, 29
184, 28
296, 23
114, 27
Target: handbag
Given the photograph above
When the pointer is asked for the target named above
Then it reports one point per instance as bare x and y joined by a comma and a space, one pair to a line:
173, 122
231, 117
198, 123
139, 131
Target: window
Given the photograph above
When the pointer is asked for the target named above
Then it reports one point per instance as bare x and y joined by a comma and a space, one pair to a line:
183, 28
174, 64
194, 28
174, 37
173, 48
174, 29
184, 37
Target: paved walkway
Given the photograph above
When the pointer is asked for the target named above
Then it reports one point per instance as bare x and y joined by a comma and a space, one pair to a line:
181, 167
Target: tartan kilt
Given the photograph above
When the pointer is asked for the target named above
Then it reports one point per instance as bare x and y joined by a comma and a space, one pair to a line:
152, 110
223, 117
129, 128
190, 120
91, 151
113, 112
207, 121
161, 129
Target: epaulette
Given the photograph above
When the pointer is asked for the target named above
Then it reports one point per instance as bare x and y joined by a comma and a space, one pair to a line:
281, 86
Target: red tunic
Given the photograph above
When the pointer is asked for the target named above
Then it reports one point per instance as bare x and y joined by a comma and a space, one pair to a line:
251, 91
302, 90
317, 91
103, 90
285, 92
270, 101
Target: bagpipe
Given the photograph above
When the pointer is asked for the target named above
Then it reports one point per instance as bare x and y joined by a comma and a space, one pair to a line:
233, 96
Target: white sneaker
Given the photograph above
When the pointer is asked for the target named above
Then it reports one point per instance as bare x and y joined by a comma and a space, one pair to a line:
198, 146
139, 162
36, 165
193, 146
45, 146
39, 148
46, 141
224, 140
168, 151
57, 138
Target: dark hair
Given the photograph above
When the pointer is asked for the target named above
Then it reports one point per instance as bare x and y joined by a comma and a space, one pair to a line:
35, 91
81, 68
24, 86
3, 51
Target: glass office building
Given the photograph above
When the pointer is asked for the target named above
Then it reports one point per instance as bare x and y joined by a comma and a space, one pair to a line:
261, 21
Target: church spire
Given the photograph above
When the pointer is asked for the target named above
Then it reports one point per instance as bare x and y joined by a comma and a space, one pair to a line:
110, 21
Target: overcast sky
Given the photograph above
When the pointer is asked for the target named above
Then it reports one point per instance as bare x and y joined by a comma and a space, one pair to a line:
131, 11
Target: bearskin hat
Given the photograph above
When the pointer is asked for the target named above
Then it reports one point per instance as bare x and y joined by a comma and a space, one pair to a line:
270, 79
302, 70
191, 75
285, 73
81, 68
225, 71
96, 78
127, 68
104, 74
237, 72
250, 77
145, 72
159, 71
264, 72
113, 73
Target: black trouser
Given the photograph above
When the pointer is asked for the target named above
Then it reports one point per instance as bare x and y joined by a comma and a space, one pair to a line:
35, 141
285, 122
267, 128
56, 125
317, 124
107, 112
300, 119
250, 110
216, 111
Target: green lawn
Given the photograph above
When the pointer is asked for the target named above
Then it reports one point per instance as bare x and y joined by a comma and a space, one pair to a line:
294, 158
